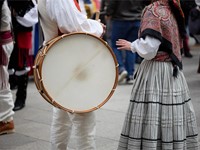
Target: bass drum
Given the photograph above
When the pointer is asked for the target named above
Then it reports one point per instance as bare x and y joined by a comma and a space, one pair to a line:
76, 72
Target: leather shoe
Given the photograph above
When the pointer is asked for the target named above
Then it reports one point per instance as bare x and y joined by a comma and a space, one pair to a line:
18, 107
7, 127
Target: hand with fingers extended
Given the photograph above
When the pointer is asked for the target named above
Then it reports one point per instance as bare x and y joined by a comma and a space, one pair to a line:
123, 44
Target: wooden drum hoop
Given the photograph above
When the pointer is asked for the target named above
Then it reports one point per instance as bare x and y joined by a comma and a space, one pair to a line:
41, 79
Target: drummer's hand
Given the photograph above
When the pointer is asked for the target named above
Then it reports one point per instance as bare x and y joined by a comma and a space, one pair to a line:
123, 44
104, 29
107, 17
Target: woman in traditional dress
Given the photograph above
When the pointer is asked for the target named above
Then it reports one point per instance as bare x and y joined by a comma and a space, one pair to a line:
160, 114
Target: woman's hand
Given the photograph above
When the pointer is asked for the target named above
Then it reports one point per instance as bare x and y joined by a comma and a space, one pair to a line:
123, 44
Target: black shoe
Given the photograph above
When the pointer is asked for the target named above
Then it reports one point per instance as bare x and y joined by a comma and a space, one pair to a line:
18, 107
188, 54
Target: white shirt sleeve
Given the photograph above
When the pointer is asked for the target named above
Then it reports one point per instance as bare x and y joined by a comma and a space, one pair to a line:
30, 18
70, 19
146, 48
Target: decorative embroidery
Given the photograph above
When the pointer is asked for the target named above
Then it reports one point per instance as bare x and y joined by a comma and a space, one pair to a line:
161, 12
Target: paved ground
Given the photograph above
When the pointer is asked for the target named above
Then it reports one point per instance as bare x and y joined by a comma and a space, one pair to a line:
33, 122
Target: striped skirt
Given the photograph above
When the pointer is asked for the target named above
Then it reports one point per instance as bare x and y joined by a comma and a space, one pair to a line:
160, 115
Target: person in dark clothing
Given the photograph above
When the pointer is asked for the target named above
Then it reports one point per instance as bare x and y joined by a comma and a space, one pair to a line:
20, 59
125, 21
186, 6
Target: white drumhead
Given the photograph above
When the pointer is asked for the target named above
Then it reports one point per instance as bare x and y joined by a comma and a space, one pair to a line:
79, 72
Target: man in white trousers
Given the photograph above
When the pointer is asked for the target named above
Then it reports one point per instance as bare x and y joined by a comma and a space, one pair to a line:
65, 16
6, 47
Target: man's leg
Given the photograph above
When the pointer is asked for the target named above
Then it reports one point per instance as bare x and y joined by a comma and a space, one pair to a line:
85, 130
6, 99
60, 130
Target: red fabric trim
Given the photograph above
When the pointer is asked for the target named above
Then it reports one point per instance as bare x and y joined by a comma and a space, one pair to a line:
23, 58
77, 5
24, 40
5, 37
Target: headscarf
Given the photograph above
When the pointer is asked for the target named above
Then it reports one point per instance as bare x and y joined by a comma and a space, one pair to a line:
179, 15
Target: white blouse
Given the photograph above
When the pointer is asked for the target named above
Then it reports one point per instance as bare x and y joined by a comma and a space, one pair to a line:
147, 48
69, 19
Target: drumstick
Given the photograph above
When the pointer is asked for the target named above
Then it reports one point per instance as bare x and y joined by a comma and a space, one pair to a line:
97, 14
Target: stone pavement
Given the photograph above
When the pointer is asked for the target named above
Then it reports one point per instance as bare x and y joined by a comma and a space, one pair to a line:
32, 124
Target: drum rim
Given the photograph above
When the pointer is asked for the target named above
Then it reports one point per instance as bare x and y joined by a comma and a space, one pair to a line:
38, 72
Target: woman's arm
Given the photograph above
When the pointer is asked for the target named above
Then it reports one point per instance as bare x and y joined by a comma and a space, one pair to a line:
146, 48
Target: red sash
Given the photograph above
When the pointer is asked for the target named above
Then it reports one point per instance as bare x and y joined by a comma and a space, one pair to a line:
5, 37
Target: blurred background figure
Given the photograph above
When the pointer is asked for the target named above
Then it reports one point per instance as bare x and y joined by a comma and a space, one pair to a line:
91, 7
194, 25
187, 5
6, 47
103, 18
24, 17
125, 21
194, 22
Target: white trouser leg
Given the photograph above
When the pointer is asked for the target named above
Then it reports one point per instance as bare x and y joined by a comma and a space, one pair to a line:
6, 105
84, 130
6, 99
60, 129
